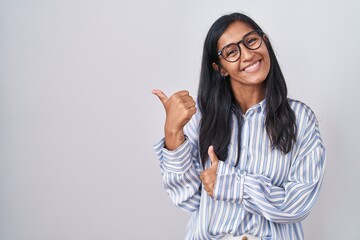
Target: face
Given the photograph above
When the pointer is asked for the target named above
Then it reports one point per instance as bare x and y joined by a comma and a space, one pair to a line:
252, 67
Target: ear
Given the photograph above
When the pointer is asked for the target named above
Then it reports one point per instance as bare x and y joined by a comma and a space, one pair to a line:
215, 66
219, 69
265, 37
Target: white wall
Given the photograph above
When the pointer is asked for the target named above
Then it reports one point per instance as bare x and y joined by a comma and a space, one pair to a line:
77, 118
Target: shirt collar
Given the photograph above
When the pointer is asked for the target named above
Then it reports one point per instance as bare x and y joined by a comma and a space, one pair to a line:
260, 106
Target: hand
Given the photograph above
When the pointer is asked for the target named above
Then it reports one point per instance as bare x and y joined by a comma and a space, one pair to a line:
208, 176
179, 108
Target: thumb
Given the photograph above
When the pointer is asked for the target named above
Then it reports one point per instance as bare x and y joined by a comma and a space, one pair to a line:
214, 159
163, 98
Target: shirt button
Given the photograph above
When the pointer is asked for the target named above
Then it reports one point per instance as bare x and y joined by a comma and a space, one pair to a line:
244, 238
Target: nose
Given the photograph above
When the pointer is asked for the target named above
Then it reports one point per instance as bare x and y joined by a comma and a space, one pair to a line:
246, 54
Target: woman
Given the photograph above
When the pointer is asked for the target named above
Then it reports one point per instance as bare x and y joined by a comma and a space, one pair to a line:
249, 162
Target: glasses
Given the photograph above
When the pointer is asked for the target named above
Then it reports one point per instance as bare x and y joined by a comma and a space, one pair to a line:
232, 51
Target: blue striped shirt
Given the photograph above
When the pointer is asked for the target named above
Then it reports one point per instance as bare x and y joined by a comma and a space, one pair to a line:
267, 194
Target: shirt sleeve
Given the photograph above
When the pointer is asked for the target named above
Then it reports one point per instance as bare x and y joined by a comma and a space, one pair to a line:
181, 169
288, 203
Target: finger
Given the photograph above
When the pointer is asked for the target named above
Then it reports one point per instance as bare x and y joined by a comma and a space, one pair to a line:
202, 176
190, 111
183, 93
190, 104
214, 159
163, 98
186, 98
182, 99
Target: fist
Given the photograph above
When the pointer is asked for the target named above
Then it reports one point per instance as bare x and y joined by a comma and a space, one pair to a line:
208, 176
179, 108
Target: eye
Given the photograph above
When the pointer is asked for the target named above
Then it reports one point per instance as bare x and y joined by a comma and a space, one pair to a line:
251, 41
231, 51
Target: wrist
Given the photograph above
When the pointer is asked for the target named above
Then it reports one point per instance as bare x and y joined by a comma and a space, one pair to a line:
174, 138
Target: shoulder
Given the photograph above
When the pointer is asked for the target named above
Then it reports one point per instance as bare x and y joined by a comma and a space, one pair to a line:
306, 121
302, 111
308, 132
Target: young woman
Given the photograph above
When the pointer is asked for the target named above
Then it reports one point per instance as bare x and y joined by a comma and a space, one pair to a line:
247, 161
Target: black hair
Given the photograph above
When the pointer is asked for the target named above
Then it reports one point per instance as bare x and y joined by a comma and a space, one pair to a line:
217, 102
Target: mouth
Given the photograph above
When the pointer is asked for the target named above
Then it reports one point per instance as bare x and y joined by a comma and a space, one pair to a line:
253, 67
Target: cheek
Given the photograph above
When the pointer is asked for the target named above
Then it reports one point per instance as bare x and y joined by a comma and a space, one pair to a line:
267, 62
230, 68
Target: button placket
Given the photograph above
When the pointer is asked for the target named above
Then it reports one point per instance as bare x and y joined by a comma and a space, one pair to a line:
244, 142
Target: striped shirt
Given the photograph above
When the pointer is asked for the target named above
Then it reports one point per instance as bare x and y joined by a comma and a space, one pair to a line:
267, 194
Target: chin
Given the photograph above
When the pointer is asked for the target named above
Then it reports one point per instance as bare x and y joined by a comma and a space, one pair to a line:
260, 80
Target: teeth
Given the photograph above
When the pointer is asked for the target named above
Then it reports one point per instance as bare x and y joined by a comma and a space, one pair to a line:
252, 67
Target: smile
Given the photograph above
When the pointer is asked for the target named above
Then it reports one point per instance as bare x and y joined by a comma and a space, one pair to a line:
253, 67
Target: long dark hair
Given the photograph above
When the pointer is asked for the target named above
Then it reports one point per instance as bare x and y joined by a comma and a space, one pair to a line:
217, 103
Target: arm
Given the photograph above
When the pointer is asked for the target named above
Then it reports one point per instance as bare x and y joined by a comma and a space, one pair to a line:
179, 108
288, 203
180, 171
178, 154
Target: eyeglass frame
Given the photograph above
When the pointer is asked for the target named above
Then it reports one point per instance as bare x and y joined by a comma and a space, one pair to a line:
242, 41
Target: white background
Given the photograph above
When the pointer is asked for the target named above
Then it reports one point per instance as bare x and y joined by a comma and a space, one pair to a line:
78, 120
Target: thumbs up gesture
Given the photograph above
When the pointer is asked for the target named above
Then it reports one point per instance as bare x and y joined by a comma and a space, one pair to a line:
179, 108
208, 176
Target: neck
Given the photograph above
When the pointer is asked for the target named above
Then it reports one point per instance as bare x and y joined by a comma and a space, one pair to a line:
248, 96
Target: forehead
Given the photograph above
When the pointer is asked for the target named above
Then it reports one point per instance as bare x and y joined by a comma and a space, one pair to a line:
233, 34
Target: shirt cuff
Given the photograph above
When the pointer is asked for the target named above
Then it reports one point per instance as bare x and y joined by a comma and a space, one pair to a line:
229, 185
175, 161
